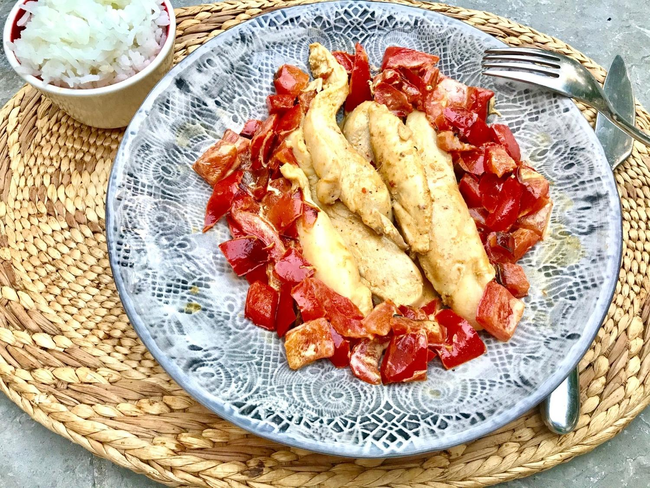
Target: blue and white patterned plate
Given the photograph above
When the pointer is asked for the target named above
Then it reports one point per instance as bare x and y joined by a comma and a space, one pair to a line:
187, 305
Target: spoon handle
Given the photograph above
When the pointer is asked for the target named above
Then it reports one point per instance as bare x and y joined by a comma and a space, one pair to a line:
561, 409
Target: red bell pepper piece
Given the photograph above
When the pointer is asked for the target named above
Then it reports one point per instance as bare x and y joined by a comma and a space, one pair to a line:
405, 359
308, 300
490, 190
341, 356
258, 274
278, 104
507, 210
359, 80
412, 313
478, 100
395, 100
305, 98
536, 190
402, 57
286, 314
471, 161
433, 307
244, 254
344, 59
286, 209
250, 128
293, 267
470, 127
290, 80
537, 221
262, 142
282, 155
308, 342
479, 215
498, 161
431, 355
513, 277
500, 247
403, 325
261, 305
221, 199
448, 141
291, 232
378, 321
498, 311
524, 239
252, 224
241, 143
469, 188
288, 122
503, 135
214, 164
365, 358
463, 343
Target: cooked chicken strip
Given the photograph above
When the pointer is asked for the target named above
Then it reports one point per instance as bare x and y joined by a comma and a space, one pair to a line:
388, 271
357, 131
325, 250
343, 173
399, 164
456, 265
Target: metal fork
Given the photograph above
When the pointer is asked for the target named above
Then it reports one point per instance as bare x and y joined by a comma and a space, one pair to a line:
558, 73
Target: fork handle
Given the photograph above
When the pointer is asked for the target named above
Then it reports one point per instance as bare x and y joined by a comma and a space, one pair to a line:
627, 127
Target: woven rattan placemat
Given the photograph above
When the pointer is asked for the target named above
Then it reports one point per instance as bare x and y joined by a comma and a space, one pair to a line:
70, 359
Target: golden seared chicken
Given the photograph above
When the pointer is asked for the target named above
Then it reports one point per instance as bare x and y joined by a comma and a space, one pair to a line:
399, 164
388, 271
325, 250
357, 131
343, 173
456, 265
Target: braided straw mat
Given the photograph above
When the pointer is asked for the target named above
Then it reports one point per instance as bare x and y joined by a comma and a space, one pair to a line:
70, 359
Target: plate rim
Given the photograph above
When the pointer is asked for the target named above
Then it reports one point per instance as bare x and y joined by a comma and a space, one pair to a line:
259, 428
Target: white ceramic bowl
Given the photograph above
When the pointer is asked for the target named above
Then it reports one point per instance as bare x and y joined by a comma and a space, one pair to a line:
107, 107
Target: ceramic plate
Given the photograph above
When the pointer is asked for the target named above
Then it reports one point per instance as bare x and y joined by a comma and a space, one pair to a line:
187, 305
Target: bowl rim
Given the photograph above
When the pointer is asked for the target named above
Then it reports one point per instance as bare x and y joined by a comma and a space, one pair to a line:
86, 92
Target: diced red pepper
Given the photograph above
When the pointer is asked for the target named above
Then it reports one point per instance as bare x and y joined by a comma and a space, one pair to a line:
431, 355
244, 254
403, 325
478, 100
250, 128
448, 141
282, 155
293, 267
278, 104
341, 356
286, 314
290, 80
257, 182
262, 142
405, 359
285, 210
513, 277
500, 247
463, 343
378, 321
252, 224
344, 59
221, 199
402, 57
479, 215
395, 100
490, 190
498, 311
412, 313
472, 161
261, 305
258, 274
469, 188
309, 342
507, 210
291, 232
241, 143
503, 135
537, 221
217, 162
309, 302
536, 190
498, 161
524, 239
288, 122
305, 98
359, 80
365, 358
469, 125
433, 307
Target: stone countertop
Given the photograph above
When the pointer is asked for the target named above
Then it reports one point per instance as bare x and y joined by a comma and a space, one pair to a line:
32, 456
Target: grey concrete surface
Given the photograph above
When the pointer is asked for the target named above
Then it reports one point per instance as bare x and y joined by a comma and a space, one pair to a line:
33, 457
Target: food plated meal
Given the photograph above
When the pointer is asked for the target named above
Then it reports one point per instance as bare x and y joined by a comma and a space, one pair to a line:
385, 241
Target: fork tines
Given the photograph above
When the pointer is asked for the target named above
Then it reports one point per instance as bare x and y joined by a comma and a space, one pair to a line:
507, 62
